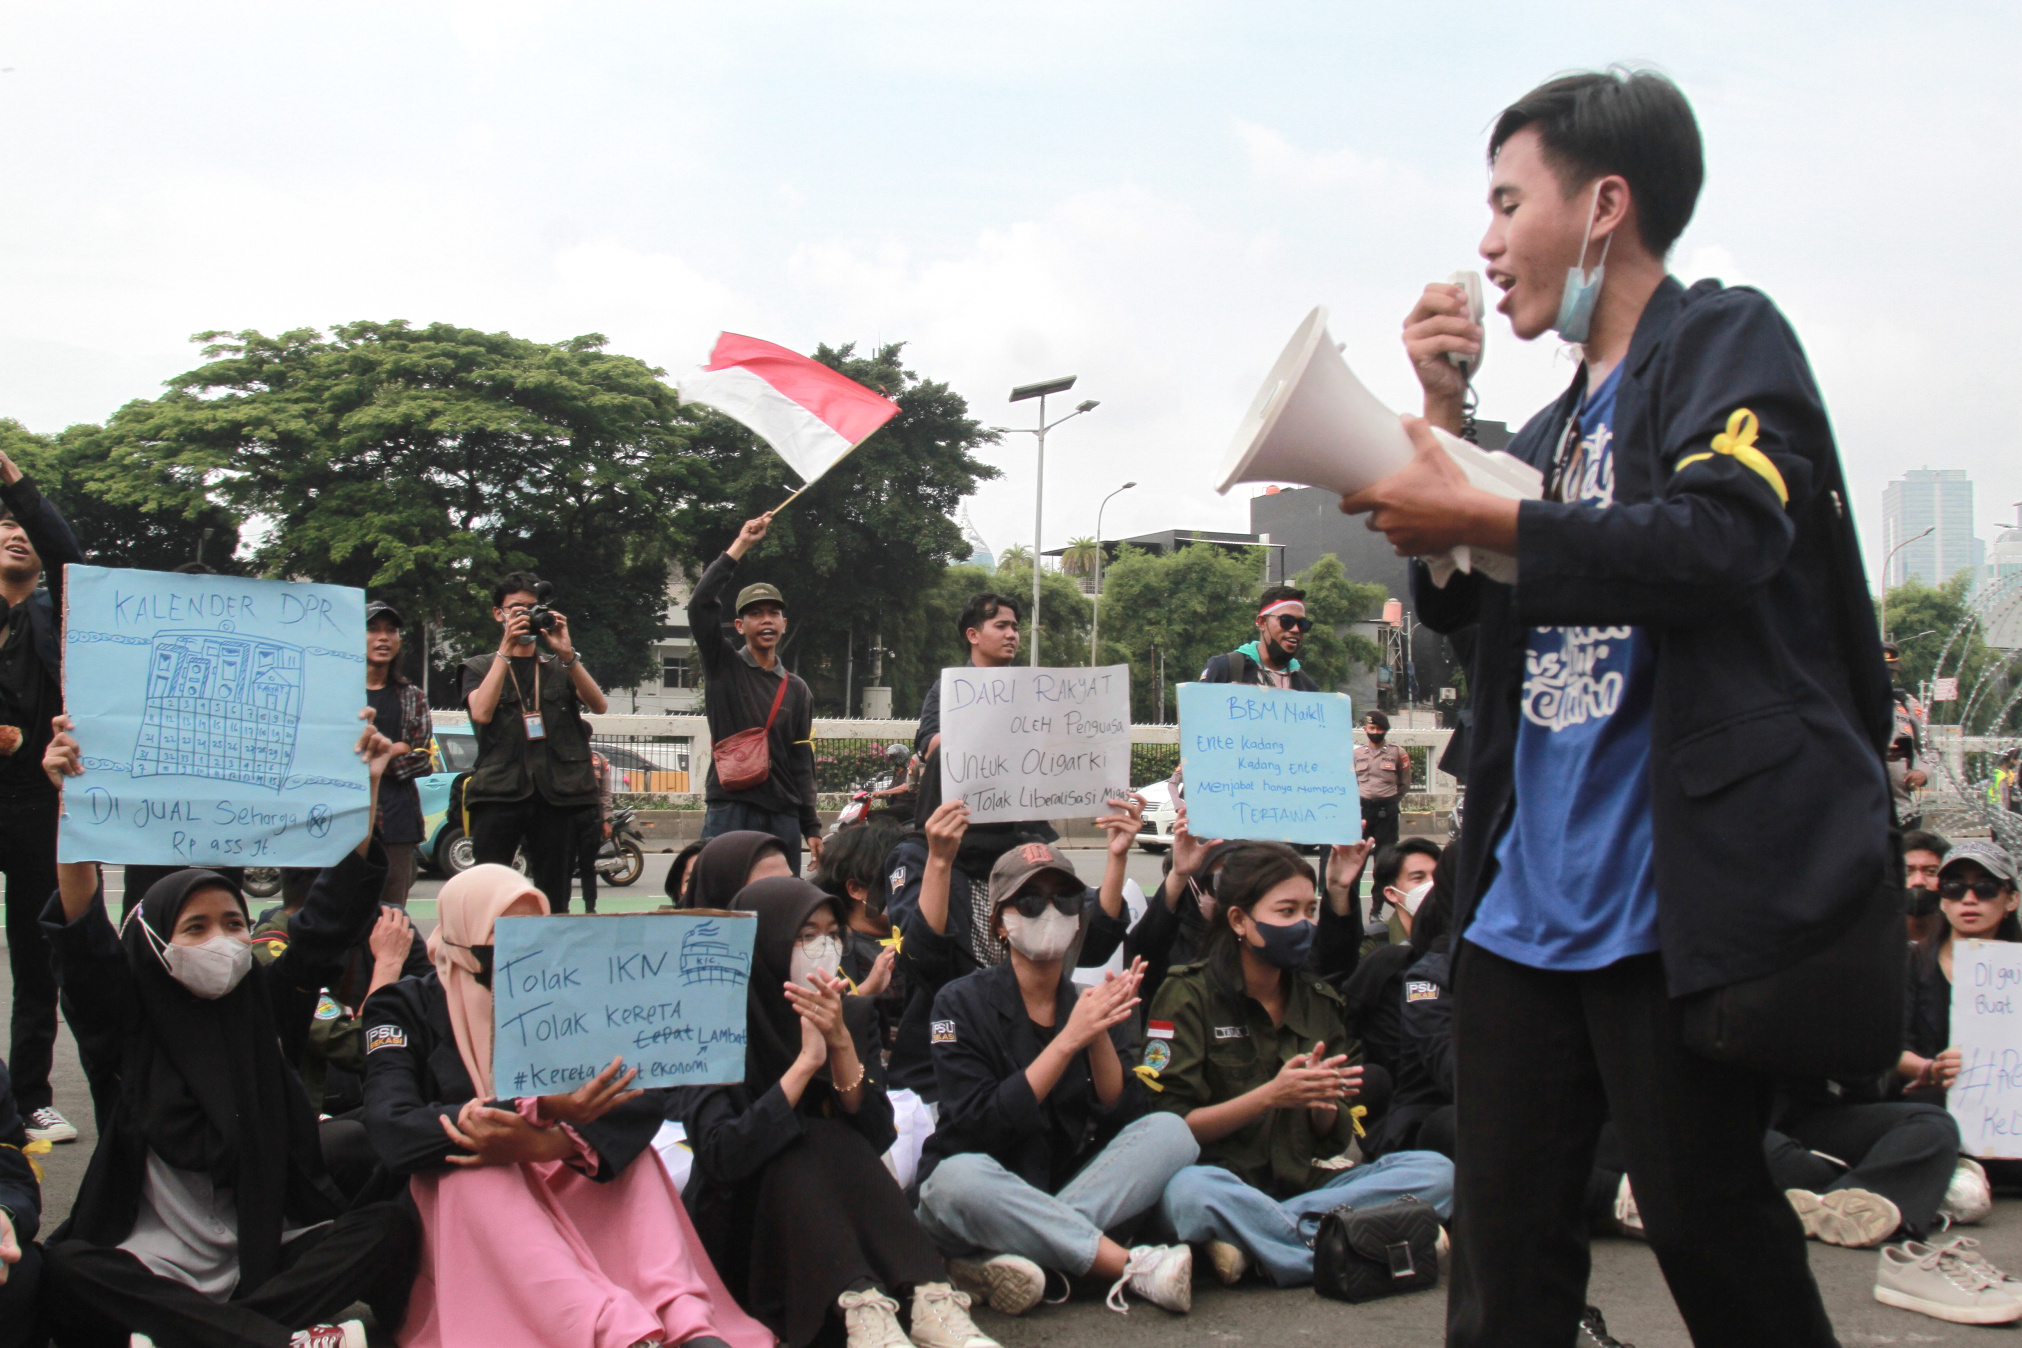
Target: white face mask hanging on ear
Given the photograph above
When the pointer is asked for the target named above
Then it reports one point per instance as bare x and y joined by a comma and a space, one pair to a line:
1583, 288
818, 952
209, 970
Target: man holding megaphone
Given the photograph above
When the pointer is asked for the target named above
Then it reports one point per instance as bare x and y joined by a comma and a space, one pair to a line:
1673, 881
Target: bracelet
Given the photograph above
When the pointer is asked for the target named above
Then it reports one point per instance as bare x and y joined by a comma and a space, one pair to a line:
571, 663
840, 1088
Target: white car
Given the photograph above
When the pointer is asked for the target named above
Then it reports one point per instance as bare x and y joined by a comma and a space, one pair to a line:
1160, 813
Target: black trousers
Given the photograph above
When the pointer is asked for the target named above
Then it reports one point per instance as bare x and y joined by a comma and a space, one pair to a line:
1379, 820
589, 838
1541, 1059
1904, 1152
547, 831
28, 858
20, 1313
97, 1295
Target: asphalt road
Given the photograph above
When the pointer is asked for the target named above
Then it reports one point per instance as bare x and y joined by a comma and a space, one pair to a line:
1626, 1283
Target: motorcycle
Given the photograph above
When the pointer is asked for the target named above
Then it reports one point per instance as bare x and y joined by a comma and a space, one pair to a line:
621, 860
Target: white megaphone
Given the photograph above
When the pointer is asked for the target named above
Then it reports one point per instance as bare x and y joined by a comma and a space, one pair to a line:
1314, 423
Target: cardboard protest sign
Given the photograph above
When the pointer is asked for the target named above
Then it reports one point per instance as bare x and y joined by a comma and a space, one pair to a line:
1268, 764
217, 718
1987, 1028
1023, 743
663, 991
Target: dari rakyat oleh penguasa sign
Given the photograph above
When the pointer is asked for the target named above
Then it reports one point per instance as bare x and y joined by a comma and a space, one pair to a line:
1025, 743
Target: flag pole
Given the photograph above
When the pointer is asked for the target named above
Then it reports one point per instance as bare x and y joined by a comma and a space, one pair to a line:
789, 500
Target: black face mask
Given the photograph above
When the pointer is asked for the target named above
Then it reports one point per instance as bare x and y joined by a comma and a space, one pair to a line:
1919, 901
483, 974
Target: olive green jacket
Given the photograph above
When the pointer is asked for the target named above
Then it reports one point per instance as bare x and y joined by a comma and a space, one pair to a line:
1206, 1047
335, 1036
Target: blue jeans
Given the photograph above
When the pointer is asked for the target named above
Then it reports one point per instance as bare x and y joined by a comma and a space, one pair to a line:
1206, 1202
971, 1204
731, 816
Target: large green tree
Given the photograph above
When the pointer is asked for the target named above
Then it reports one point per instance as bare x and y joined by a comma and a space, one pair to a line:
1929, 625
422, 462
858, 554
123, 514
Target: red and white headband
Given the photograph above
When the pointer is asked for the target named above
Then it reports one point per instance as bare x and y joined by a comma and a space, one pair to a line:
1283, 606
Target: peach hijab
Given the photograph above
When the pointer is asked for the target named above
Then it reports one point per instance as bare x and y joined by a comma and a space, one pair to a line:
466, 909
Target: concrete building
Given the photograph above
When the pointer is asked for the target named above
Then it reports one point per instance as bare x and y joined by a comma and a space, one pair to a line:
677, 691
1939, 500
2000, 594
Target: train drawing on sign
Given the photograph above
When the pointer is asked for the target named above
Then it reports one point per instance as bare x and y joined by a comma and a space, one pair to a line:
220, 705
707, 958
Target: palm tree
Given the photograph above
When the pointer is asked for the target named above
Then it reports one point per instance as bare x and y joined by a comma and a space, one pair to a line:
1014, 556
1079, 559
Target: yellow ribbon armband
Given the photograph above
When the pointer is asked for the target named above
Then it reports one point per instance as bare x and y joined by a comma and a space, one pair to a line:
1149, 1076
1738, 441
41, 1146
1356, 1114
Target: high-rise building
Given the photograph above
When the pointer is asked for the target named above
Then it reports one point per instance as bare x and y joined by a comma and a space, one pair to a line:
1937, 500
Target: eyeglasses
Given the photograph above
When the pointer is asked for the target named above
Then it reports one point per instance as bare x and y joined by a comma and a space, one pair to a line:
1291, 624
1033, 902
1982, 889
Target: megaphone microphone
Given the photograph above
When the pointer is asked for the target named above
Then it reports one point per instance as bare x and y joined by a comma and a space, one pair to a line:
1314, 423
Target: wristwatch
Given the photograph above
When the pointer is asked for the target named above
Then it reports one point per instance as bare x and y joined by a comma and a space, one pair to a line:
570, 663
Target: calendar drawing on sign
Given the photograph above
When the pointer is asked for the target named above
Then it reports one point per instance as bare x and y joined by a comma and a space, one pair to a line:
220, 705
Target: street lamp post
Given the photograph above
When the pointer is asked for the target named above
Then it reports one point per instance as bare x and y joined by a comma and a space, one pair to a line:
1095, 619
1885, 574
1018, 395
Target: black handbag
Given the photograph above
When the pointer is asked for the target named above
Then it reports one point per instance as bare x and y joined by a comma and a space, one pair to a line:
1363, 1254
1837, 1013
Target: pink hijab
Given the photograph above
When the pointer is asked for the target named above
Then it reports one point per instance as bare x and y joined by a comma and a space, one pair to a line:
467, 908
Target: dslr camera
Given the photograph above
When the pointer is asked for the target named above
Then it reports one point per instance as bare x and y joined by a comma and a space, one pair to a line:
541, 617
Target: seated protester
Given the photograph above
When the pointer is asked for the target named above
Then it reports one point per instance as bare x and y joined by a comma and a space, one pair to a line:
509, 1187
1239, 1048
730, 861
1374, 994
1044, 1147
1400, 868
852, 873
336, 1035
20, 1216
1923, 854
944, 917
1421, 1116
1174, 927
205, 1216
787, 1190
681, 875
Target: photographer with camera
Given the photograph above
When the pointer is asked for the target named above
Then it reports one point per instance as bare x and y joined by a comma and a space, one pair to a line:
533, 782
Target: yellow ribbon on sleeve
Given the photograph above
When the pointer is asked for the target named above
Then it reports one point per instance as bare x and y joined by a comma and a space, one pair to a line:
41, 1146
1356, 1114
1738, 441
1149, 1076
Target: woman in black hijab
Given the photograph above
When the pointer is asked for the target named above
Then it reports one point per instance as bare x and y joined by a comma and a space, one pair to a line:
729, 862
205, 1216
788, 1192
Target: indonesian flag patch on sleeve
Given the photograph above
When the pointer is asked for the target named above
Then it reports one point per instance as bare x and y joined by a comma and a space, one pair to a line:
1159, 1029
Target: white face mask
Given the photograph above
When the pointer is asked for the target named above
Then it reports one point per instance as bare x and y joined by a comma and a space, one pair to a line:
1413, 897
819, 952
1041, 938
209, 970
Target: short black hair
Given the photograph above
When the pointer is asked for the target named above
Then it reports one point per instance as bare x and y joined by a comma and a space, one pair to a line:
513, 582
1390, 861
856, 854
1922, 840
1634, 123
1278, 594
981, 608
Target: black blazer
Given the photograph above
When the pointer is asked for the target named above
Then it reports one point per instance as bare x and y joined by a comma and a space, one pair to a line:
1770, 805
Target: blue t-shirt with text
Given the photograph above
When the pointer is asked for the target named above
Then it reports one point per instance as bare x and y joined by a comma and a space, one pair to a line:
1573, 886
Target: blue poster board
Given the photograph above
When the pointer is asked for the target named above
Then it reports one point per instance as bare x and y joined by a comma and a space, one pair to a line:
218, 719
663, 991
1268, 764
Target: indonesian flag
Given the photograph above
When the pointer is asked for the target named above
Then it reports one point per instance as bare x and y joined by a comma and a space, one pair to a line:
809, 414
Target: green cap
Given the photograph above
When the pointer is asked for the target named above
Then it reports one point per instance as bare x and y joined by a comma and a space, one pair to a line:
758, 594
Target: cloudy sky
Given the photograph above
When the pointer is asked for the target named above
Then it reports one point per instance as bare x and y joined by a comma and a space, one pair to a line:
1149, 196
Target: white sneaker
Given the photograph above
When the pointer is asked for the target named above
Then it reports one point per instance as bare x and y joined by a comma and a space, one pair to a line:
872, 1320
1161, 1274
349, 1334
1853, 1218
46, 1125
941, 1319
1229, 1262
1943, 1286
1969, 1197
1011, 1284
1968, 1251
1628, 1220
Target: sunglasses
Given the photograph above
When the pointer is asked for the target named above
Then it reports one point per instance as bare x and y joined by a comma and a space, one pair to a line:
1291, 624
1982, 889
1033, 902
